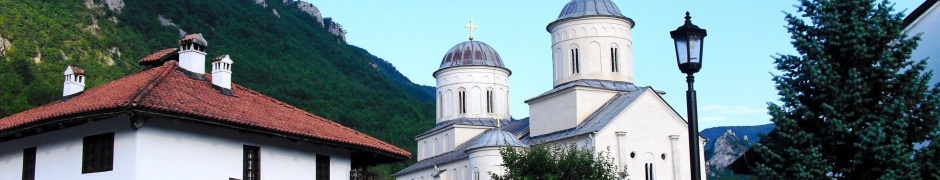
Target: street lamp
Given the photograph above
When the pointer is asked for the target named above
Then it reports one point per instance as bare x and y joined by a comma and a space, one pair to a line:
689, 38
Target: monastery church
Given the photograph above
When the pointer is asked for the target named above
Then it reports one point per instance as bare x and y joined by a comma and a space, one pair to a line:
594, 103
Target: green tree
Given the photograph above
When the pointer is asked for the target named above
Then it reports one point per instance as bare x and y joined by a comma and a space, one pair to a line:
557, 162
929, 160
853, 105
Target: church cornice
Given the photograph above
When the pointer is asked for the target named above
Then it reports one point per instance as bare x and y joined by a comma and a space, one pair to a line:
565, 20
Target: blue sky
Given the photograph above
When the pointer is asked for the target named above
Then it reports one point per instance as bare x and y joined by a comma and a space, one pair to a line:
734, 85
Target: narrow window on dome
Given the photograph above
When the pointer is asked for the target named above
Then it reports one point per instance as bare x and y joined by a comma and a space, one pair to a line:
440, 105
614, 60
462, 97
489, 101
575, 61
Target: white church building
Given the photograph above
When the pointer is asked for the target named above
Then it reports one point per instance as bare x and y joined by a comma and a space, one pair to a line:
594, 103
175, 121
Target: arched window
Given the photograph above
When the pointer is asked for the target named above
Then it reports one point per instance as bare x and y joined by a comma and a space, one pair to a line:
440, 105
436, 147
462, 98
575, 61
649, 171
476, 174
614, 60
489, 100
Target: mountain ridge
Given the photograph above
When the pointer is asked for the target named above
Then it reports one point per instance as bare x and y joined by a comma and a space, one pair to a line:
279, 50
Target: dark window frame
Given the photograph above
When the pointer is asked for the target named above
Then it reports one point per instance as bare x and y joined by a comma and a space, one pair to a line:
98, 153
29, 163
323, 167
251, 163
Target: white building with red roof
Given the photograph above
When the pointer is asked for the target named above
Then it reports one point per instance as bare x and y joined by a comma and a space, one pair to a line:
174, 121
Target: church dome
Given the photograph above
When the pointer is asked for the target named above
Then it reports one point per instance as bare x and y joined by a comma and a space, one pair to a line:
581, 8
471, 53
497, 138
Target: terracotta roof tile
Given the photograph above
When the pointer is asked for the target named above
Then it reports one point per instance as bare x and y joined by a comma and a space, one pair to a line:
166, 89
157, 56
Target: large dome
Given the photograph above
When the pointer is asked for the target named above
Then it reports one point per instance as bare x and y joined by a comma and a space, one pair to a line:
581, 8
471, 53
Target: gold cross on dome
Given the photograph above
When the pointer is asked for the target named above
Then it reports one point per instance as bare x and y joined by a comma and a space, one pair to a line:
471, 27
499, 119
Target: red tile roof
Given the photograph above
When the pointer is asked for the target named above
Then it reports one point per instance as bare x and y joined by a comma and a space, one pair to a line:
157, 56
165, 89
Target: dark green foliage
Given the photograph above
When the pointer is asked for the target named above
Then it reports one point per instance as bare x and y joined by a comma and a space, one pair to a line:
291, 58
557, 162
929, 159
853, 105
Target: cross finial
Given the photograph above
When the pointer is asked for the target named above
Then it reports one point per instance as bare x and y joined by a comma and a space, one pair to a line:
471, 27
499, 123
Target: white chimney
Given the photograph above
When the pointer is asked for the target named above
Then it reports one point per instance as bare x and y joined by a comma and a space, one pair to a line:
222, 72
192, 53
74, 81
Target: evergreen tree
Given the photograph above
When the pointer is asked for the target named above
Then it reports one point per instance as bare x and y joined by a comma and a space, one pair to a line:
853, 105
557, 162
929, 159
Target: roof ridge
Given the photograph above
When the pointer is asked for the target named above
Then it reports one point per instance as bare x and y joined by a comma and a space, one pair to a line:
144, 91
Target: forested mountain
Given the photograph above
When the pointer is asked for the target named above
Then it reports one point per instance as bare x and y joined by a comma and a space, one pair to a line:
281, 48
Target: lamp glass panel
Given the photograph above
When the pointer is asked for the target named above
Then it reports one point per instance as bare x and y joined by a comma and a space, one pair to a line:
695, 48
682, 51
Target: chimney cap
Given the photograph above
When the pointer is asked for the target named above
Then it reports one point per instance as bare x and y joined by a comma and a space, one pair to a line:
223, 58
74, 70
194, 38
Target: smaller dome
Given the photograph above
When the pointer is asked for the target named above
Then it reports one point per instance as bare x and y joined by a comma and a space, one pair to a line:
471, 53
580, 8
497, 138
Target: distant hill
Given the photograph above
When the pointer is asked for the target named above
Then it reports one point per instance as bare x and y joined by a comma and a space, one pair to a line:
285, 49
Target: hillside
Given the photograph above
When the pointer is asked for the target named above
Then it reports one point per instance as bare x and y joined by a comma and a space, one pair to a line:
282, 48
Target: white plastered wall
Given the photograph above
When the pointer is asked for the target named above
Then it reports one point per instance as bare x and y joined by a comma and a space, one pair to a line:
565, 109
199, 151
648, 124
475, 81
447, 139
593, 37
59, 152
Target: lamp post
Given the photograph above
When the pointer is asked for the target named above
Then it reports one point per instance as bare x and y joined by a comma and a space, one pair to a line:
688, 39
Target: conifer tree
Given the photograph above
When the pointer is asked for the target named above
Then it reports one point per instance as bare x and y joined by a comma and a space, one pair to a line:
853, 105
929, 160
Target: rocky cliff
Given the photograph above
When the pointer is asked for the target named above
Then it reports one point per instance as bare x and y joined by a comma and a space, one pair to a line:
725, 144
